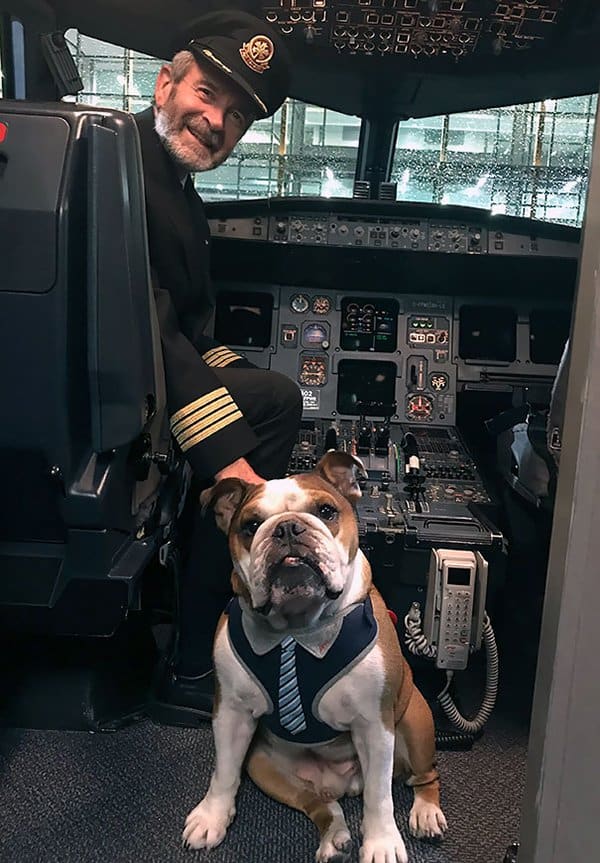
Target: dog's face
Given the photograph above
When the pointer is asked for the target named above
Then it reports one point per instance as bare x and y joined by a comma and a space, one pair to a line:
293, 541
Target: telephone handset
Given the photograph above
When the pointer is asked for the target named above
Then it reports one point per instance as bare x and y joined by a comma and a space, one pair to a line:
455, 607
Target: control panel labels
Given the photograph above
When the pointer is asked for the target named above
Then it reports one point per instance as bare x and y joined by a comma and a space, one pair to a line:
311, 399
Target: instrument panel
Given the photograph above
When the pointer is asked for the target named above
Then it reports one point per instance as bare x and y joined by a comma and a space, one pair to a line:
449, 471
401, 357
473, 234
390, 309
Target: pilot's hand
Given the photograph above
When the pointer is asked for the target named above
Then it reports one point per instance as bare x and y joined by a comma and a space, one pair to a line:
242, 470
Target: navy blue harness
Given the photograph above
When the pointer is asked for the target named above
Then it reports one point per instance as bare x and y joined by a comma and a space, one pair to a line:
315, 676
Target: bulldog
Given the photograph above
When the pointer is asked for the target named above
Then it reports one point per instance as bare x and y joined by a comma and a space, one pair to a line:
313, 692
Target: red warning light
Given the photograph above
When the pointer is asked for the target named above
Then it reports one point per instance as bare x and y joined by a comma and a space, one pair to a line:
3, 131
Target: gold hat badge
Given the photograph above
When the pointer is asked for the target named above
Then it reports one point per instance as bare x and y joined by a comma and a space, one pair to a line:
257, 52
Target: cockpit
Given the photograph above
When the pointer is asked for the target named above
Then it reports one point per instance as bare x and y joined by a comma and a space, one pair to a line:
412, 240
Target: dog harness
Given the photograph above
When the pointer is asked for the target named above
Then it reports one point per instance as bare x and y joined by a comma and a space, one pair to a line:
313, 675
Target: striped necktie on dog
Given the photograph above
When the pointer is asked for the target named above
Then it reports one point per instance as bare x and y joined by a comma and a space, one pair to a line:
291, 714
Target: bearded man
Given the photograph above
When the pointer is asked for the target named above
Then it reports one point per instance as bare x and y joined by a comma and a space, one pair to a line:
229, 418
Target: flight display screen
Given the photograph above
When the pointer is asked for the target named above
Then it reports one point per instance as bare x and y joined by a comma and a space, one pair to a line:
366, 387
488, 333
369, 324
243, 318
548, 333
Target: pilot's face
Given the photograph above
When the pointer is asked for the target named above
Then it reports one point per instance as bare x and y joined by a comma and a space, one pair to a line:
200, 118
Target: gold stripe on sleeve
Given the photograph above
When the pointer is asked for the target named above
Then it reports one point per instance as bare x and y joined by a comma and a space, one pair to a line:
179, 427
219, 357
198, 403
205, 422
206, 433
225, 361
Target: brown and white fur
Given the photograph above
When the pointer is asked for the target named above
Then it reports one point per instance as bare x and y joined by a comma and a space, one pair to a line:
294, 546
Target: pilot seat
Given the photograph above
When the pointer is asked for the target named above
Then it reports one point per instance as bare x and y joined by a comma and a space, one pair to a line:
90, 486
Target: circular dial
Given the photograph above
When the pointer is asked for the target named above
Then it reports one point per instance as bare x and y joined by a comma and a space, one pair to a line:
368, 316
321, 305
299, 303
438, 381
313, 371
419, 407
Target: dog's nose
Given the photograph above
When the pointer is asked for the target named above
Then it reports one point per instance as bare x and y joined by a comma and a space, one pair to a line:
288, 530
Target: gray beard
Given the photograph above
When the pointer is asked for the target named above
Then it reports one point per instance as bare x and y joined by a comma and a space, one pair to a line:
168, 135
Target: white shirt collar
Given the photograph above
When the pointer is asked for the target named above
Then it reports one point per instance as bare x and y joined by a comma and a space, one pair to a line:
315, 639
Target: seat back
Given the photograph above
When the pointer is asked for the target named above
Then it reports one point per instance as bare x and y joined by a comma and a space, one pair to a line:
82, 390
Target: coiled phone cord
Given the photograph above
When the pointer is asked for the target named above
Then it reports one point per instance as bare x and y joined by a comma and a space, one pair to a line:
417, 644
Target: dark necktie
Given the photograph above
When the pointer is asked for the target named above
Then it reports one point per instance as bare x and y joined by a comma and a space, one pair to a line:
291, 714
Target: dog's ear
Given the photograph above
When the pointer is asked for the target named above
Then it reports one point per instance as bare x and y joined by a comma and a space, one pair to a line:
343, 471
224, 497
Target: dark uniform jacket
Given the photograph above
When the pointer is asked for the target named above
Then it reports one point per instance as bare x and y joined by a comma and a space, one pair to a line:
205, 420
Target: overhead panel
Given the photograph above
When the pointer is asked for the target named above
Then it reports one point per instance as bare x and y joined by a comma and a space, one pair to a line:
390, 58
428, 28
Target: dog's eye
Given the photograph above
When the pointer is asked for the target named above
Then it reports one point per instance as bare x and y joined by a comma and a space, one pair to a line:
250, 527
327, 512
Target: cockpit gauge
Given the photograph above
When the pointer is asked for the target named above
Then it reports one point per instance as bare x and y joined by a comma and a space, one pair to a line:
299, 303
321, 305
313, 371
315, 334
419, 407
438, 381
369, 325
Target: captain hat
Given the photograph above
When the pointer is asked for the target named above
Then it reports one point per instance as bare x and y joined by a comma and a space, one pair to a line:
244, 48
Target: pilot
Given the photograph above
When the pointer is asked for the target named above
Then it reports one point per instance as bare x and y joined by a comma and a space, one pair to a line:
229, 418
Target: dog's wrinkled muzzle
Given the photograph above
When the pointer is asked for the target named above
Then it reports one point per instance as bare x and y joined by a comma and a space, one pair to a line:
296, 576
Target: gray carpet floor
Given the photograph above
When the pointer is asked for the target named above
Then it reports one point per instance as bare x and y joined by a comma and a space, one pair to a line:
75, 797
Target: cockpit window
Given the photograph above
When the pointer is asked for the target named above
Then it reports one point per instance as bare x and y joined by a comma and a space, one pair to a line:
113, 77
525, 160
301, 150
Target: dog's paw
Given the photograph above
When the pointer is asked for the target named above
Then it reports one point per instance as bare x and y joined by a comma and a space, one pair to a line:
206, 825
426, 820
335, 846
389, 848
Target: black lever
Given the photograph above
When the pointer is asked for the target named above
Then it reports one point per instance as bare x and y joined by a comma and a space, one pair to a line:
411, 450
365, 434
382, 439
331, 440
414, 479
